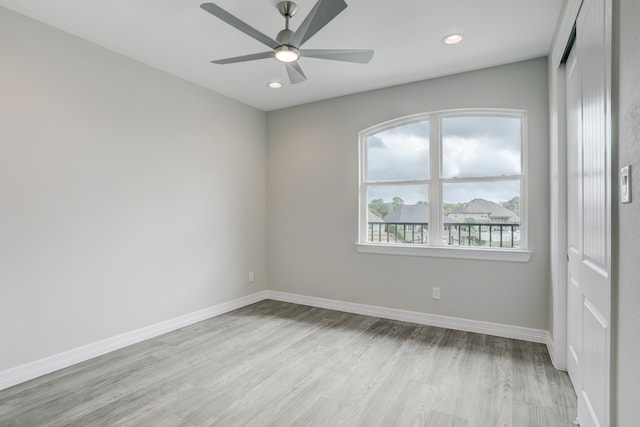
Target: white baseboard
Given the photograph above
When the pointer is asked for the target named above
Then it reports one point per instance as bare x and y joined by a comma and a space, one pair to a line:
552, 353
467, 325
53, 363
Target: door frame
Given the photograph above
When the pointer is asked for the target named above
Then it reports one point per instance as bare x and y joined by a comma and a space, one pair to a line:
557, 341
558, 170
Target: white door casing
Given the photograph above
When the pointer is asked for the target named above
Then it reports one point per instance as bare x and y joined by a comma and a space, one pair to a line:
574, 298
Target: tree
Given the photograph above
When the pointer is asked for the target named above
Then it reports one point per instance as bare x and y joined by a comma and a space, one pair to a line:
397, 201
379, 207
447, 208
513, 205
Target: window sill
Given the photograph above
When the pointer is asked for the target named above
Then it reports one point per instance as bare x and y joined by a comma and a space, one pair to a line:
507, 255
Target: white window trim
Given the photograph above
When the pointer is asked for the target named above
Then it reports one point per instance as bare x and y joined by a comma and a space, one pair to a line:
438, 250
455, 252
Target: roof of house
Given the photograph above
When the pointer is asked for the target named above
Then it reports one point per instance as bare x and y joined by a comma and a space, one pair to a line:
419, 213
408, 214
479, 206
373, 218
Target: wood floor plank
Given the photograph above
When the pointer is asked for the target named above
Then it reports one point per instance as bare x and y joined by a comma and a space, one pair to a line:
280, 364
445, 420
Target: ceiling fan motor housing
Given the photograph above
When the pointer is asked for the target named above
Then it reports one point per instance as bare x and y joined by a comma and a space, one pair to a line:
284, 36
287, 8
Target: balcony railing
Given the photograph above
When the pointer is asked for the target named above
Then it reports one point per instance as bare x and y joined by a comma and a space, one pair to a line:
502, 235
398, 233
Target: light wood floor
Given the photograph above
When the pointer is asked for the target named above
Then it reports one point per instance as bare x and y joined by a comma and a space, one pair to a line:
279, 364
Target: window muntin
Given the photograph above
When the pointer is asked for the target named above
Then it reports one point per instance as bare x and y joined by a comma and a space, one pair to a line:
471, 159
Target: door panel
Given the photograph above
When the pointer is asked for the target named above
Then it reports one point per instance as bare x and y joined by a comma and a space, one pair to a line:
592, 50
574, 334
595, 332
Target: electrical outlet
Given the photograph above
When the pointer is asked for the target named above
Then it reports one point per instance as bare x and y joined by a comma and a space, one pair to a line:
251, 277
435, 293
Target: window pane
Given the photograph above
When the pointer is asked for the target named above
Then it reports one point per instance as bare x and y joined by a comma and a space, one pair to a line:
398, 154
481, 146
398, 214
482, 214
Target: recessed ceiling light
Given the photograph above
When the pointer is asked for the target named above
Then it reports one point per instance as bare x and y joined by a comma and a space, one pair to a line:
454, 38
275, 85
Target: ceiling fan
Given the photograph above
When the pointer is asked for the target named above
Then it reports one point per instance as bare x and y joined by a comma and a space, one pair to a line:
286, 47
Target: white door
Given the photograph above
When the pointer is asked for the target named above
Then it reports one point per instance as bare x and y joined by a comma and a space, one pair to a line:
589, 216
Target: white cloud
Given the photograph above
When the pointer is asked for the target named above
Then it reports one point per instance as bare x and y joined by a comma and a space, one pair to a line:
399, 153
481, 146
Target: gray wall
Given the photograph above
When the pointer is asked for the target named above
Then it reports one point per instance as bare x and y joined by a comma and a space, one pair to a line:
626, 352
127, 196
312, 202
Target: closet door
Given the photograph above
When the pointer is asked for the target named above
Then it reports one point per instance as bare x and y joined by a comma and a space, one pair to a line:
589, 215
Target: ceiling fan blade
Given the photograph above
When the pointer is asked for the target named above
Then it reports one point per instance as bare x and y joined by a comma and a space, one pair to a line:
321, 14
222, 14
244, 58
359, 56
295, 73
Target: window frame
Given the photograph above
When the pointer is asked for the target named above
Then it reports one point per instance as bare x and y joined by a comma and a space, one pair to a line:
435, 247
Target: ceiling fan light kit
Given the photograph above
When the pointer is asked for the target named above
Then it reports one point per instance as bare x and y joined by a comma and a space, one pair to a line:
286, 47
286, 54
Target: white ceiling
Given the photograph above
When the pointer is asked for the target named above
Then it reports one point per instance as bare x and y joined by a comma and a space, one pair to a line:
180, 38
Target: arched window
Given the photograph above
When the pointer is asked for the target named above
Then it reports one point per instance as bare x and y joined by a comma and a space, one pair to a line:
447, 179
